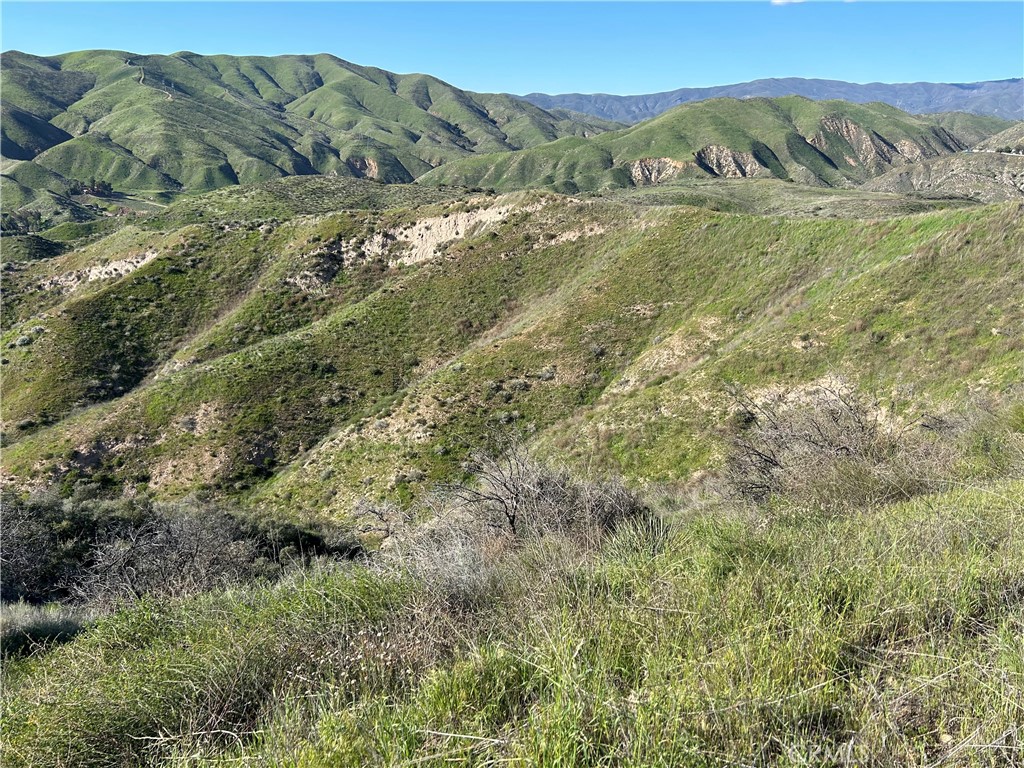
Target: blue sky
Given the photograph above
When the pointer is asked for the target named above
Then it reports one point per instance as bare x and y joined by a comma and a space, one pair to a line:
558, 47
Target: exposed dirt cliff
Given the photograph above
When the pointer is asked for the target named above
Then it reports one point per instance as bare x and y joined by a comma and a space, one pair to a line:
653, 170
729, 163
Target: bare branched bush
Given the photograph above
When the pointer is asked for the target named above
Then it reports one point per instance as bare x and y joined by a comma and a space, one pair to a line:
457, 538
183, 550
86, 548
512, 491
45, 539
833, 449
458, 565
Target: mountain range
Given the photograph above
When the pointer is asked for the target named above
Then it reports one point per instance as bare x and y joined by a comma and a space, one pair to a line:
1002, 98
153, 127
162, 124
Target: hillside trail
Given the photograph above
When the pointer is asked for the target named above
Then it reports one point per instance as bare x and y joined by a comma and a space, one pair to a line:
142, 81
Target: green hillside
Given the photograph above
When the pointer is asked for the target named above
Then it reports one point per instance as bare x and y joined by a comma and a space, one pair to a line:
310, 342
150, 124
824, 143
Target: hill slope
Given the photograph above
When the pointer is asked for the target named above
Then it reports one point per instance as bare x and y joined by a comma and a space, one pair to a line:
984, 176
188, 122
1012, 140
825, 143
1001, 98
300, 348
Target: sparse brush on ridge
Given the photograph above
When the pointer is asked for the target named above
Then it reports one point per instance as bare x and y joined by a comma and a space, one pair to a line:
456, 539
264, 377
834, 449
104, 553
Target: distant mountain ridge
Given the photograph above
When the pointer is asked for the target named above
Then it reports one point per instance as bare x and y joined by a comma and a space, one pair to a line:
1002, 98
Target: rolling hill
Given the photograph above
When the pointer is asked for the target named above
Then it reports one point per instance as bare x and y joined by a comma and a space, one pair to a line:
184, 122
302, 344
1010, 140
1000, 98
825, 143
983, 176
305, 465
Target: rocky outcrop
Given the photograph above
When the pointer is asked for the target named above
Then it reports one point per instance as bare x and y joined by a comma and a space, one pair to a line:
729, 163
111, 270
364, 167
873, 152
653, 170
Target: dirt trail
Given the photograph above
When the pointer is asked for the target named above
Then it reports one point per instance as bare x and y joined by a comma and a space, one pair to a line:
142, 81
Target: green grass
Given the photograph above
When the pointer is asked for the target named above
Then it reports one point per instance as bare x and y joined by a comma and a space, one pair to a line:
30, 248
775, 197
890, 636
152, 125
613, 346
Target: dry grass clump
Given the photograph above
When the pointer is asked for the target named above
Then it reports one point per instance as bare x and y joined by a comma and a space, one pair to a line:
25, 627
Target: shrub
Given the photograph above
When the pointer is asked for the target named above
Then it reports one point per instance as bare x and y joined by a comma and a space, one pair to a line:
459, 541
511, 490
108, 551
833, 449
47, 539
180, 551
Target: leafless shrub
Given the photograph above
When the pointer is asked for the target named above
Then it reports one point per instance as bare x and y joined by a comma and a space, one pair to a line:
384, 518
833, 449
457, 539
184, 550
458, 565
513, 491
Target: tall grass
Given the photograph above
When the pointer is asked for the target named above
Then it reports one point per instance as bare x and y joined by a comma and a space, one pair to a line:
890, 636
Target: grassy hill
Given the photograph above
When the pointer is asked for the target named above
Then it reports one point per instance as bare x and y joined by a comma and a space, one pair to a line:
825, 143
298, 350
971, 129
332, 472
160, 124
1011, 139
889, 636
